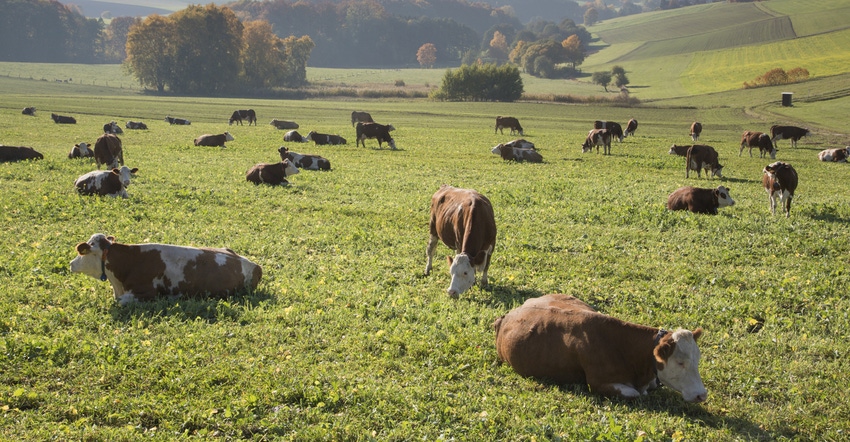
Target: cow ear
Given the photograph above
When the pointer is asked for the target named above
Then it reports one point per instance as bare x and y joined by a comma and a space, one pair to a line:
697, 333
480, 258
115, 172
83, 248
111, 239
664, 350
134, 170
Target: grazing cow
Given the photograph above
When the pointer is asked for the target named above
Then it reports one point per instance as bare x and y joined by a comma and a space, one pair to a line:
597, 137
361, 117
760, 140
322, 139
518, 154
699, 200
142, 272
631, 127
780, 181
106, 182
302, 161
244, 114
509, 122
213, 140
374, 130
29, 111
792, 133
136, 125
112, 128
271, 173
701, 157
177, 121
108, 151
81, 151
681, 150
696, 129
11, 154
283, 124
613, 128
463, 219
560, 338
294, 137
835, 155
62, 119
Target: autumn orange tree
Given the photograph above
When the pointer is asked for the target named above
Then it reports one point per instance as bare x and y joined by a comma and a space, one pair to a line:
427, 55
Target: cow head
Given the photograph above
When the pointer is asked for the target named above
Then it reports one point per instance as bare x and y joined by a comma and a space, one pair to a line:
677, 361
723, 197
462, 268
289, 168
309, 136
84, 149
497, 149
124, 174
717, 170
91, 256
227, 136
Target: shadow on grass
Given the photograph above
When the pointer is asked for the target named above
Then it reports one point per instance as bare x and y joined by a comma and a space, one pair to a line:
507, 297
187, 309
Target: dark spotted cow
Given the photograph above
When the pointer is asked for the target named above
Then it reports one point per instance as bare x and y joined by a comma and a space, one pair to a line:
81, 150
244, 114
361, 117
596, 138
63, 119
136, 125
518, 154
11, 154
613, 128
213, 140
631, 127
560, 338
294, 137
108, 151
463, 219
283, 124
143, 272
112, 128
792, 133
177, 121
696, 130
757, 139
377, 131
322, 139
508, 122
271, 173
835, 155
701, 157
302, 161
29, 111
699, 200
780, 182
106, 182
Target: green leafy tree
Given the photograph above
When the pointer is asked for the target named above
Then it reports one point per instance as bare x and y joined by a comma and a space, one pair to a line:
481, 82
619, 77
298, 52
551, 50
601, 78
115, 38
591, 16
151, 52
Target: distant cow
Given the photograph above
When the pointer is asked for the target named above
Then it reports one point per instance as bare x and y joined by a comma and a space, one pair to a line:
518, 154
780, 181
377, 131
613, 128
696, 129
302, 161
11, 154
112, 128
271, 173
680, 150
361, 117
322, 139
213, 140
701, 157
136, 125
283, 124
62, 119
631, 127
835, 155
508, 122
243, 114
699, 200
562, 339
108, 151
294, 137
81, 150
29, 111
792, 133
142, 272
596, 138
760, 140
106, 182
178, 121
463, 219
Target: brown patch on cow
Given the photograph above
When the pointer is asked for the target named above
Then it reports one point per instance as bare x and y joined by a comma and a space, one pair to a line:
137, 270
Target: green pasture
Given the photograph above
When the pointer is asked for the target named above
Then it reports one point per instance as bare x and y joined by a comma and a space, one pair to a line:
344, 339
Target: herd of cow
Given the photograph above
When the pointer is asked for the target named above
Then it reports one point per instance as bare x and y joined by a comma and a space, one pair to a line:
556, 336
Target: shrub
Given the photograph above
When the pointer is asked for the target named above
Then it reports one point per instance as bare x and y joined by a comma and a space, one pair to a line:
481, 82
778, 76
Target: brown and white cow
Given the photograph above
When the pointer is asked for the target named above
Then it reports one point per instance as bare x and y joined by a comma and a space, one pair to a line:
761, 140
63, 119
294, 137
108, 151
696, 130
143, 272
271, 173
322, 139
631, 127
780, 182
680, 150
136, 125
106, 182
700, 200
360, 117
597, 137
560, 338
613, 128
463, 219
284, 124
213, 140
29, 111
303, 161
835, 155
112, 128
377, 131
518, 154
11, 154
243, 114
81, 150
701, 157
508, 122
177, 121
792, 133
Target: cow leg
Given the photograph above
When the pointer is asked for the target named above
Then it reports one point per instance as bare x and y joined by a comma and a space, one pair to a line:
785, 199
614, 390
486, 266
429, 253
772, 198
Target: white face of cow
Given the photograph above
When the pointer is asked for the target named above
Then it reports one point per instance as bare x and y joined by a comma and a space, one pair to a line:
84, 148
497, 149
90, 256
463, 275
724, 199
289, 168
681, 369
125, 173
228, 137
